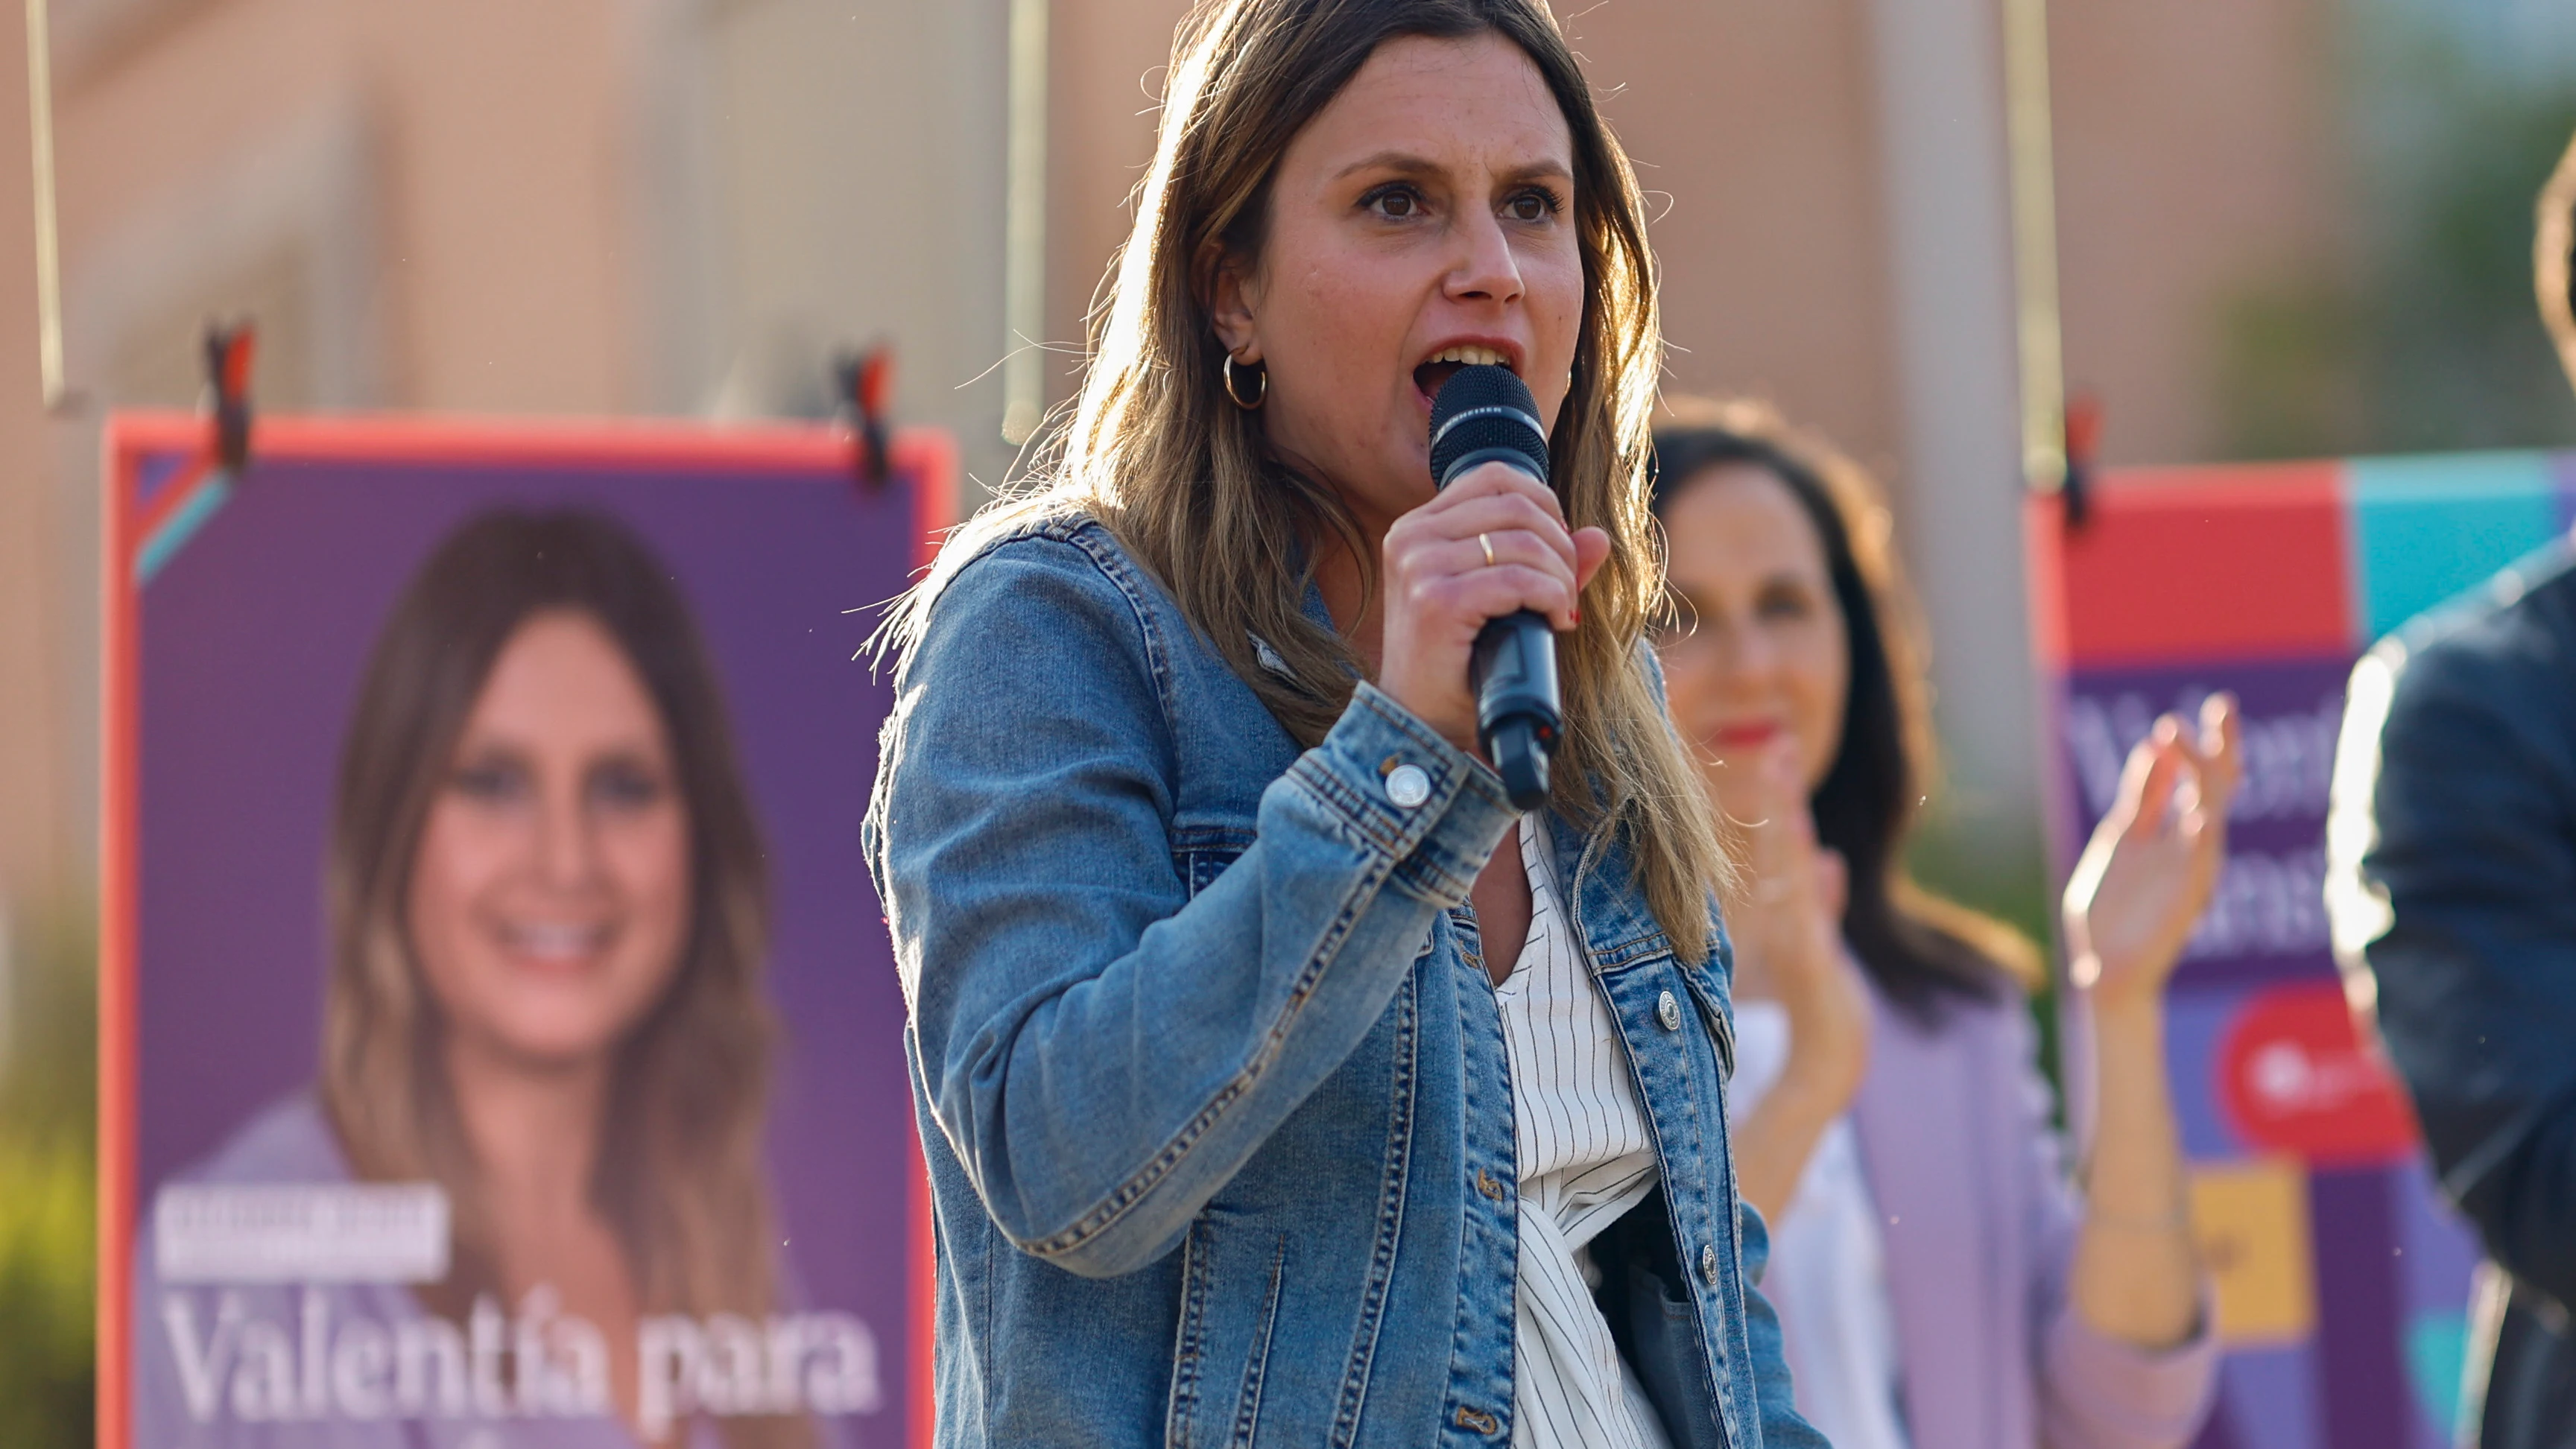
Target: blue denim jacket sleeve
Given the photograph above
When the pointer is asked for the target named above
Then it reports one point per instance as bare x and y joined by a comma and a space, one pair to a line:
1782, 1427
1101, 1049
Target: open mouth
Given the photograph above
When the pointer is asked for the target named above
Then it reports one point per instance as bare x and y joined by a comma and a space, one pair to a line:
1443, 365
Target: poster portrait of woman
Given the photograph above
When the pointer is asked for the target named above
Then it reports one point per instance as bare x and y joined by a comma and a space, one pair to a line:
546, 912
543, 1147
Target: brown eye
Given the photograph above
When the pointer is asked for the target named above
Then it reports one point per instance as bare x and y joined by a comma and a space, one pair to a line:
1396, 203
1531, 206
1786, 604
491, 781
624, 785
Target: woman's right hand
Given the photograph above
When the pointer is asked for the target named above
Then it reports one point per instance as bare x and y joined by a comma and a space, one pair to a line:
1785, 917
1440, 590
1787, 926
2147, 874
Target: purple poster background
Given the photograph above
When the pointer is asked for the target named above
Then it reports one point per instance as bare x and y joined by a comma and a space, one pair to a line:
2267, 919
2380, 1368
252, 637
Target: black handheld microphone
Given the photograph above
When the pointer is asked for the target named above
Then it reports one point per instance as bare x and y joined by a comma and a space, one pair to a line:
1484, 414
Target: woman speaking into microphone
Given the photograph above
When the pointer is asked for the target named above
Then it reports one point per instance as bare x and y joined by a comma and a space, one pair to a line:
1280, 1083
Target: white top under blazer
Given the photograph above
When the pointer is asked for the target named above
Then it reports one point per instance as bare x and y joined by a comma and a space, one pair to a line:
1585, 1158
1828, 1274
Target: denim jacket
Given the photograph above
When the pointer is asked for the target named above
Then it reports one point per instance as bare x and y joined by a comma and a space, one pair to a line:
1208, 1069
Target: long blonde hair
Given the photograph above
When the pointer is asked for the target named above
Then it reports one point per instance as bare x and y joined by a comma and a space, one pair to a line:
1155, 451
679, 1173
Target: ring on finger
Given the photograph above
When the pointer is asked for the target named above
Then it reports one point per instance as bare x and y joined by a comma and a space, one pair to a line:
1487, 545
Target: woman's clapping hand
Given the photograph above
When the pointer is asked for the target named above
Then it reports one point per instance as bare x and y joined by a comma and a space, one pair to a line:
2152, 863
1788, 933
2136, 894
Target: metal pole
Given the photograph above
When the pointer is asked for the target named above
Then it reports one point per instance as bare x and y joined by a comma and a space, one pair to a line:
2034, 217
49, 280
1024, 227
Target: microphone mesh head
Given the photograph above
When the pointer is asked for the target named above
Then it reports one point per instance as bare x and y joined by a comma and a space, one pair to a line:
1480, 408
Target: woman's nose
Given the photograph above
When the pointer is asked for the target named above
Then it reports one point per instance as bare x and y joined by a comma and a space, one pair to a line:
566, 851
1743, 658
1486, 269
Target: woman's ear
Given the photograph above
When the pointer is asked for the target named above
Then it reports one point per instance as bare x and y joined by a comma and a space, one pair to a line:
1228, 293
2554, 260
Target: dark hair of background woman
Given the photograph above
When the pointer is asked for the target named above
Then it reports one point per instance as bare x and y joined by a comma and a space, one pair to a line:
1921, 950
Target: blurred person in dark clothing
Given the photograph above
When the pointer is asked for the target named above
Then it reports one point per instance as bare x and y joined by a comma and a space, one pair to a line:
2452, 889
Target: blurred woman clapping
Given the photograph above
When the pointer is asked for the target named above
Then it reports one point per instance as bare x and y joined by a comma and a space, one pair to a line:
1940, 1281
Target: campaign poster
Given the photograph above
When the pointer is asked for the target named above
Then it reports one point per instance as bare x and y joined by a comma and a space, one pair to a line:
2342, 1276
501, 1041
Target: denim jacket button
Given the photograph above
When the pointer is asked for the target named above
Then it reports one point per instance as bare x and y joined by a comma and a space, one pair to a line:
1708, 1263
1407, 786
1669, 1012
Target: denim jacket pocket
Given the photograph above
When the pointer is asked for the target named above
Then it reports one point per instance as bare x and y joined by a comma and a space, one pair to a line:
1720, 1030
1646, 1301
1227, 1266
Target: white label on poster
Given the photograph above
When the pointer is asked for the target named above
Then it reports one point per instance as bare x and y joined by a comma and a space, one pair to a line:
301, 1233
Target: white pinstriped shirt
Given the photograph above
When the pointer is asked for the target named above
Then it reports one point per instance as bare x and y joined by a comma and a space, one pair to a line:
1585, 1158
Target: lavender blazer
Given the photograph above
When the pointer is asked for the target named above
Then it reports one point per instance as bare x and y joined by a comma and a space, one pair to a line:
1980, 1225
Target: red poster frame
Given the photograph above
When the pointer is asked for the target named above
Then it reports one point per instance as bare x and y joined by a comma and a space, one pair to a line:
926, 455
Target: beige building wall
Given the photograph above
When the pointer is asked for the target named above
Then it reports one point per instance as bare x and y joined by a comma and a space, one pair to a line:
35, 806
421, 206
683, 206
577, 207
574, 207
1752, 127
1104, 97
851, 157
2201, 158
427, 206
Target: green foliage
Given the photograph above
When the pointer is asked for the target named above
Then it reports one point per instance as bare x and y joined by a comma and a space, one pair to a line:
2290, 371
48, 1237
1987, 865
48, 1191
2461, 359
1998, 868
2431, 341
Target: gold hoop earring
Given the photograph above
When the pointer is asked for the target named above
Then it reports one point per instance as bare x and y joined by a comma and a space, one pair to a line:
1234, 394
